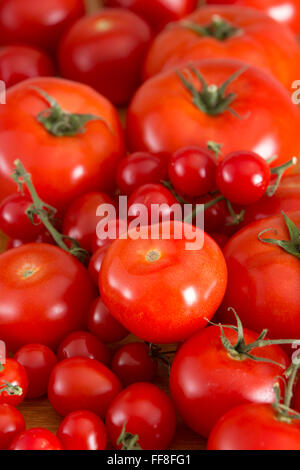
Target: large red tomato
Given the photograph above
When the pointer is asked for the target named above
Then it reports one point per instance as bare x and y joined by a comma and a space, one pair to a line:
165, 115
228, 32
45, 294
68, 159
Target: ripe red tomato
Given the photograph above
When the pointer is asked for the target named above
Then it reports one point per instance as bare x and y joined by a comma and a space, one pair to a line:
237, 33
39, 23
263, 279
83, 344
157, 12
104, 325
85, 161
268, 121
133, 362
254, 427
14, 374
147, 412
38, 361
160, 290
106, 51
36, 439
82, 383
44, 286
82, 430
110, 229
12, 423
96, 262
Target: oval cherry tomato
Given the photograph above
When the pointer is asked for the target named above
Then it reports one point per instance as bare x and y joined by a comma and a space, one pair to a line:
106, 51
38, 361
82, 383
96, 262
133, 362
13, 382
83, 344
82, 430
145, 411
36, 439
12, 423
44, 286
104, 325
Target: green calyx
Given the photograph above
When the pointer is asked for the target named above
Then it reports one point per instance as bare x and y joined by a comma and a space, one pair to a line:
291, 246
282, 405
218, 28
10, 389
128, 441
211, 99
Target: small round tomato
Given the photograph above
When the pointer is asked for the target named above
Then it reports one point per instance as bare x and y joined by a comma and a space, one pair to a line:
38, 361
82, 383
106, 51
162, 289
133, 363
13, 382
44, 286
107, 230
12, 423
243, 177
96, 262
142, 410
83, 344
82, 430
36, 439
104, 325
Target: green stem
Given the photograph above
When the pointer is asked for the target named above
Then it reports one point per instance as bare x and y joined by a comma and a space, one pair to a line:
128, 441
236, 218
279, 171
291, 246
202, 207
11, 389
218, 28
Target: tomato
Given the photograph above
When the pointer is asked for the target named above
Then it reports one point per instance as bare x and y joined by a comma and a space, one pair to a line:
110, 229
163, 115
102, 324
44, 286
157, 12
133, 362
254, 427
83, 344
85, 161
106, 51
82, 383
12, 423
283, 11
38, 361
80, 220
227, 32
96, 262
36, 439
39, 23
146, 412
82, 430
14, 374
263, 279
159, 289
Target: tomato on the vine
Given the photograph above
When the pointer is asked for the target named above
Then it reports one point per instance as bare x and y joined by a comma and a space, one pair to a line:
13, 382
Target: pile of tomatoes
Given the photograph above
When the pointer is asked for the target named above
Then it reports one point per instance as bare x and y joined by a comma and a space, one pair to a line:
92, 315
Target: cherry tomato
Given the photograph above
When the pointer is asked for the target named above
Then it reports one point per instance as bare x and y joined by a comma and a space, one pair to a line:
110, 229
102, 324
39, 23
38, 361
106, 51
133, 363
147, 412
44, 286
82, 430
254, 427
12, 423
160, 290
36, 439
85, 157
83, 344
82, 383
141, 168
215, 215
96, 262
14, 375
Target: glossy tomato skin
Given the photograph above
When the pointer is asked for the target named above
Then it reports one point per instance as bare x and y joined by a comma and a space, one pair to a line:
106, 51
263, 279
12, 423
38, 361
44, 286
102, 324
178, 45
133, 363
83, 344
82, 383
254, 427
82, 430
147, 412
15, 374
158, 289
38, 23
85, 162
96, 262
36, 439
269, 124
157, 12
197, 367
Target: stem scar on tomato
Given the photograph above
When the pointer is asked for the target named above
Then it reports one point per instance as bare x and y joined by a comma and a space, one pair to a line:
28, 271
152, 256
